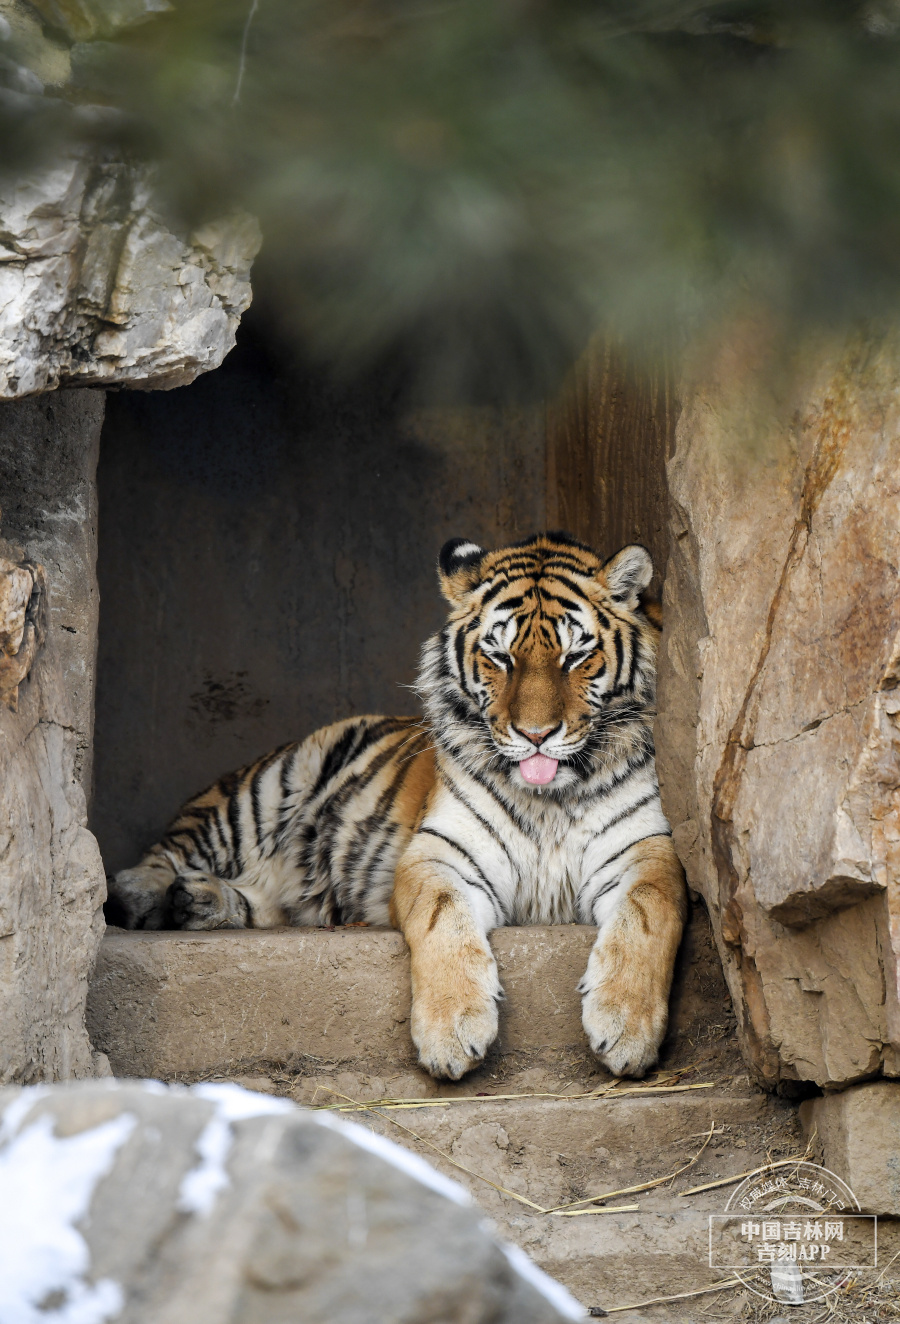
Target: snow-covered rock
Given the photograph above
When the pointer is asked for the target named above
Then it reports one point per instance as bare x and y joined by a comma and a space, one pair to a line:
137, 1202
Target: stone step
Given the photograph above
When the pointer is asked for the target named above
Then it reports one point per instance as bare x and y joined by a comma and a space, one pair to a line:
554, 1152
173, 1003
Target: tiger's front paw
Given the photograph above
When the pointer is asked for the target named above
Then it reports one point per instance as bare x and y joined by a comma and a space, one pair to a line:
200, 901
454, 1020
624, 1025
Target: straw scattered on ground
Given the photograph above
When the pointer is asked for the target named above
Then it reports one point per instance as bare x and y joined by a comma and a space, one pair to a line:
668, 1082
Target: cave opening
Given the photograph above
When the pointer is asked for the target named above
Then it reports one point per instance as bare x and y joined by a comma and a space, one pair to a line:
268, 538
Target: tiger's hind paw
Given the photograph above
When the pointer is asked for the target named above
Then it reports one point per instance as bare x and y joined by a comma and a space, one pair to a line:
138, 898
200, 901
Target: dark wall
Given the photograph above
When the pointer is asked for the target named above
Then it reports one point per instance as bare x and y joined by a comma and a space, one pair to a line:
266, 565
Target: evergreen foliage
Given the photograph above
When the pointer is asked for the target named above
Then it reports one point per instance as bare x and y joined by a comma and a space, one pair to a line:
481, 183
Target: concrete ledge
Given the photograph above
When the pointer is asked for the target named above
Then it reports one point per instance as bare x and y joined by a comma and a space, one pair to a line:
173, 1003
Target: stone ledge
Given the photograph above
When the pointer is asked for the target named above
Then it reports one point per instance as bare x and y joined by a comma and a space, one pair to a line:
857, 1135
175, 1003
166, 1003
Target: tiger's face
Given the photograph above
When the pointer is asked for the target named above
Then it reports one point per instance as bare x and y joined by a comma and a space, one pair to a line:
543, 640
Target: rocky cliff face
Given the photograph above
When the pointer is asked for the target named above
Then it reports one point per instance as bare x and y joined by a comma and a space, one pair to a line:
97, 287
97, 290
52, 884
778, 740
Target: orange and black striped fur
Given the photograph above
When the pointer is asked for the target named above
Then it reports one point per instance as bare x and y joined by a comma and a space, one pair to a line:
527, 795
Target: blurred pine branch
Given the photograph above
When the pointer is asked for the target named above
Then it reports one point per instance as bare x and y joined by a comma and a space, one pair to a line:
477, 186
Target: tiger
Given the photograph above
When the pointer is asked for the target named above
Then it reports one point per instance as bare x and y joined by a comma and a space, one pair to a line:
525, 793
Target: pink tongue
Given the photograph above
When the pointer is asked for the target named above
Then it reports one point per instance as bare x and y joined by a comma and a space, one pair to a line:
539, 769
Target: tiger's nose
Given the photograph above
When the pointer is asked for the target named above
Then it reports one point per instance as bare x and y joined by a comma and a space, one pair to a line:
536, 736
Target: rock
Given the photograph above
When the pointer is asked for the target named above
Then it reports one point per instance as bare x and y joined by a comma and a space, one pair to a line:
22, 619
145, 1203
96, 287
31, 59
48, 463
777, 741
52, 884
84, 20
857, 1135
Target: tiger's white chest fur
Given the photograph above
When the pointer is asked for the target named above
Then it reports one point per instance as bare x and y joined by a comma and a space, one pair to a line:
541, 859
547, 884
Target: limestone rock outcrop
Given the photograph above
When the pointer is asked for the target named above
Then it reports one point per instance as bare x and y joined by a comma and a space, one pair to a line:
52, 882
778, 740
96, 288
142, 1203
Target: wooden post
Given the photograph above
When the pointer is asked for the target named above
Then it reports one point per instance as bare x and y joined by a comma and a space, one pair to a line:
609, 434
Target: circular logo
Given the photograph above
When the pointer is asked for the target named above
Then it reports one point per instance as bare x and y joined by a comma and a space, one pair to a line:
792, 1232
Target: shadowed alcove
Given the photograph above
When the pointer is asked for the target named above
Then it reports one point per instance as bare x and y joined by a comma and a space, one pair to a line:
268, 540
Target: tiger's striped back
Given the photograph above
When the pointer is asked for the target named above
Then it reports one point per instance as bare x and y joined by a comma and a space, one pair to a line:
313, 827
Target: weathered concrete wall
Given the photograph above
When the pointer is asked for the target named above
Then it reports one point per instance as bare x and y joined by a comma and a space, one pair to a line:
267, 565
777, 738
52, 884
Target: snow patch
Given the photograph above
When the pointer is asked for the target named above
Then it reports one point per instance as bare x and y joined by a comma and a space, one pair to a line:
201, 1186
234, 1103
549, 1288
15, 1113
154, 1086
47, 1183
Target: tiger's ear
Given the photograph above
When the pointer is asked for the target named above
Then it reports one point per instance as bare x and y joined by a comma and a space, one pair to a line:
458, 566
627, 574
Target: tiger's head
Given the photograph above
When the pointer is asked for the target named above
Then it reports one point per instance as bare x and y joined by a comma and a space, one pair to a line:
548, 655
